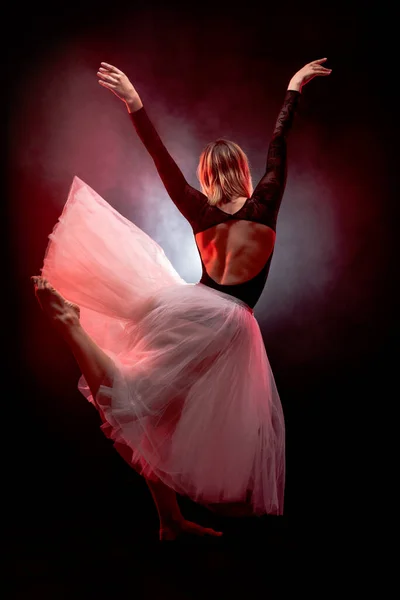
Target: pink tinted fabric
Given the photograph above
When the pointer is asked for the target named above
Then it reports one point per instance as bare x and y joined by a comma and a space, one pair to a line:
193, 400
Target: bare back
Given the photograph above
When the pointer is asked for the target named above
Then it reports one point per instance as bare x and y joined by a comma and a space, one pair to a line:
235, 252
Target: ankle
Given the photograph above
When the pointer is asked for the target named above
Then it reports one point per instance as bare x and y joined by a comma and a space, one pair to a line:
171, 521
69, 325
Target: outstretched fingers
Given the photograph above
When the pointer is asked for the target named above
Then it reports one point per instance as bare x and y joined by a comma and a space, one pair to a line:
105, 77
323, 72
318, 68
110, 86
111, 68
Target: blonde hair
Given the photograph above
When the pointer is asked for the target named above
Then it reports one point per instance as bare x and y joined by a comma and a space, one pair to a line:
224, 172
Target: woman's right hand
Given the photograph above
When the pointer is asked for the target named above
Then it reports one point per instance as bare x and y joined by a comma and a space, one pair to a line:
115, 80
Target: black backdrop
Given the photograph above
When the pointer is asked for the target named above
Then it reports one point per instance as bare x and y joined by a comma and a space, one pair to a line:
66, 486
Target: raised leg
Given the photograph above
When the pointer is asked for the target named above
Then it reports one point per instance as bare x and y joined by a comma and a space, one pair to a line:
98, 369
95, 365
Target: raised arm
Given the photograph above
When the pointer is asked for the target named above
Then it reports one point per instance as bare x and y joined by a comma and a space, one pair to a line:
272, 185
188, 200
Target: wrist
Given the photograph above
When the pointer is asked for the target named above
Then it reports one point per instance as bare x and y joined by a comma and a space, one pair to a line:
133, 103
295, 84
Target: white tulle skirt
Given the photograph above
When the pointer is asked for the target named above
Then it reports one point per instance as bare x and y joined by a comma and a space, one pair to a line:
192, 400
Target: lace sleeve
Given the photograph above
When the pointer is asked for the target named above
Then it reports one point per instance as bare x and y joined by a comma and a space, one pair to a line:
270, 189
189, 201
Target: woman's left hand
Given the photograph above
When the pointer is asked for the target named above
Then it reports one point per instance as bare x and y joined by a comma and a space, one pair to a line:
308, 72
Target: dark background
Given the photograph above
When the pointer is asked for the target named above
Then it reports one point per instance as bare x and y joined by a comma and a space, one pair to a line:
79, 520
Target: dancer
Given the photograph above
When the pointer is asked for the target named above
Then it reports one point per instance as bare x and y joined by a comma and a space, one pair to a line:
178, 371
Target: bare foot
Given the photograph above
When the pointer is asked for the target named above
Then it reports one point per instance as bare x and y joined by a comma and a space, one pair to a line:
174, 530
62, 312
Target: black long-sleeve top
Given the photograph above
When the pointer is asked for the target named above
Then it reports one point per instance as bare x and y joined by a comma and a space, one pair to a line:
262, 207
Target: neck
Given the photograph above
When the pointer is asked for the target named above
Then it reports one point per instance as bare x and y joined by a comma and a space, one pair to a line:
237, 200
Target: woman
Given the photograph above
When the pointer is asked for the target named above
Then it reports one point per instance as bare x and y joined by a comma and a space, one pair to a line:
179, 372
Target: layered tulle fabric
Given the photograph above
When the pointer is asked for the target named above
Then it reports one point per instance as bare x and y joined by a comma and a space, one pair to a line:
192, 399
